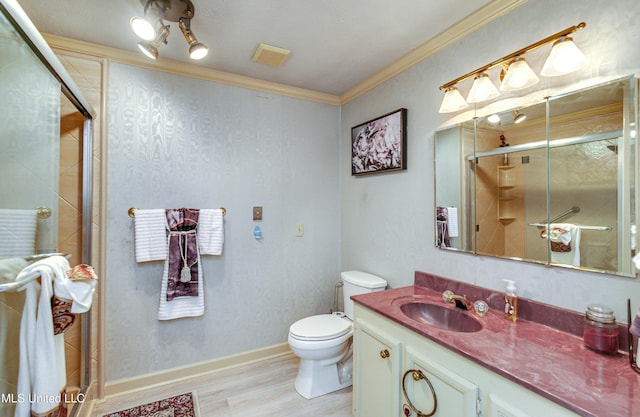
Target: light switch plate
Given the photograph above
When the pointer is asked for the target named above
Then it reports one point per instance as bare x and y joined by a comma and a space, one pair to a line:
257, 213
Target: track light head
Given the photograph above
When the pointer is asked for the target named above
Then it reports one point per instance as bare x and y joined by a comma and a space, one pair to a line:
197, 50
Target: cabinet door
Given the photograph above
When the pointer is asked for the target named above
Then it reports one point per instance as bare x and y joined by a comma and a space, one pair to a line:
455, 395
377, 358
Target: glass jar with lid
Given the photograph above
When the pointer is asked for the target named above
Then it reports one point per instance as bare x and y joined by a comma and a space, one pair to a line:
600, 329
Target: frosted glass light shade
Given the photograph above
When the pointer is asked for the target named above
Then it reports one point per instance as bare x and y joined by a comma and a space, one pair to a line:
565, 57
143, 28
519, 75
482, 89
452, 101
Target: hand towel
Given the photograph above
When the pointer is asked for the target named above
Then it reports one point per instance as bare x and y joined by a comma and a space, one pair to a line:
42, 368
17, 232
211, 231
571, 257
181, 306
452, 221
77, 284
182, 299
150, 235
183, 260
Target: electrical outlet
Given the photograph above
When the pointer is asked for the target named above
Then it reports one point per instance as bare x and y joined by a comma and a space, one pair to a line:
299, 229
257, 213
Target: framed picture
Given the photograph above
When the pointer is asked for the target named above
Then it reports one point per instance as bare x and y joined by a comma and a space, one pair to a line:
380, 145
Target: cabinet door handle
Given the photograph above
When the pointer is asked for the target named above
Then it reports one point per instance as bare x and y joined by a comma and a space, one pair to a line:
417, 376
384, 354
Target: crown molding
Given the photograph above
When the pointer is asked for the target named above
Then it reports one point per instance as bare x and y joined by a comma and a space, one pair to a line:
486, 14
187, 70
481, 17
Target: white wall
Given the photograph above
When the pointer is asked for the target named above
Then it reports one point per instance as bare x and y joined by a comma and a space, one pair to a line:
181, 142
387, 220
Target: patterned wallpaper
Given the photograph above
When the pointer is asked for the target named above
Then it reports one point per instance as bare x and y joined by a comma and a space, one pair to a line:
180, 142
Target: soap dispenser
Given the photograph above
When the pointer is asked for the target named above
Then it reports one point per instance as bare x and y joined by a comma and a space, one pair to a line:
510, 301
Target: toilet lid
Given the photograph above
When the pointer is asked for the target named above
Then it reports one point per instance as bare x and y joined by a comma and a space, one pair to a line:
320, 327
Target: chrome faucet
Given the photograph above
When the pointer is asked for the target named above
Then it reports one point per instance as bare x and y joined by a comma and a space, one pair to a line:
460, 300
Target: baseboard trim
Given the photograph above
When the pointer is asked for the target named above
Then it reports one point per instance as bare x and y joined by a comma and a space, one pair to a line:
128, 385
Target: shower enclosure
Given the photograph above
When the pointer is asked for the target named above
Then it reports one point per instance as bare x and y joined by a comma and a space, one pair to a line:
45, 165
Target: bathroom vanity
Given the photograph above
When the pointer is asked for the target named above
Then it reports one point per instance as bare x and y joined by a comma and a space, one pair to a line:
505, 369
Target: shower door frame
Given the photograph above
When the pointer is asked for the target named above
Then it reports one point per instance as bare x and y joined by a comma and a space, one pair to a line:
32, 37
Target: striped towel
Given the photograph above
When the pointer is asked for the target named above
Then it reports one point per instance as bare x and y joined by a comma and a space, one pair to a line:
211, 231
181, 306
17, 232
150, 235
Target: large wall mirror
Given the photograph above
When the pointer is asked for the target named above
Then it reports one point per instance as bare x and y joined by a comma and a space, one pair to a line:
45, 186
551, 183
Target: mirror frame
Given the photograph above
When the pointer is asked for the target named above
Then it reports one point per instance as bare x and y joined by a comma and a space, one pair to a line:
630, 115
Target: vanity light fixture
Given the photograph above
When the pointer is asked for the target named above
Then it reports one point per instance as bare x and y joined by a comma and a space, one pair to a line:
154, 32
565, 57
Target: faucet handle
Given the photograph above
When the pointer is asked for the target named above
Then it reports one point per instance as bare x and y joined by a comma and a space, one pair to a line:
447, 296
481, 307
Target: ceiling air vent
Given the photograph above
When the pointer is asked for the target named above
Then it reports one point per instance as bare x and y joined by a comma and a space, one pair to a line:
270, 55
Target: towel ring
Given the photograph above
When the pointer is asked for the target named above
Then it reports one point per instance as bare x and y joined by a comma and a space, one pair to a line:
132, 211
417, 376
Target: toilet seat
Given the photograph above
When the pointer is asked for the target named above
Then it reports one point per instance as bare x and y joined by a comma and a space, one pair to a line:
320, 327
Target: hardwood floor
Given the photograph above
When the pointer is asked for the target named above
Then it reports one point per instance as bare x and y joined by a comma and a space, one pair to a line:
261, 389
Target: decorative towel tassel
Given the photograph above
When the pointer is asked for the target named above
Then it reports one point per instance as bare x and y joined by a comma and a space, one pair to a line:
185, 274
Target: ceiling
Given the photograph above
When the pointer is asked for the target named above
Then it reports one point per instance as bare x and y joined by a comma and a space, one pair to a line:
335, 44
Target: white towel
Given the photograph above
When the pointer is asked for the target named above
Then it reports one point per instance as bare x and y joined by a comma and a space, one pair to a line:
79, 290
150, 235
181, 306
42, 370
17, 232
211, 231
452, 221
572, 257
10, 268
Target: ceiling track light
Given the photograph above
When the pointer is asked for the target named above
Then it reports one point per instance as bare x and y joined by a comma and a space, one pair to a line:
518, 117
153, 31
565, 57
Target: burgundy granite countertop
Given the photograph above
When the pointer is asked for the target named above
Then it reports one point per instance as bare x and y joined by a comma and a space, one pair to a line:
553, 363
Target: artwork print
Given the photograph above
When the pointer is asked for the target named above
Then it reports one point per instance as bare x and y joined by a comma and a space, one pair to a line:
380, 145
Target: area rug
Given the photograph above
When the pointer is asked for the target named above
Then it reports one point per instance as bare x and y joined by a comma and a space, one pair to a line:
183, 405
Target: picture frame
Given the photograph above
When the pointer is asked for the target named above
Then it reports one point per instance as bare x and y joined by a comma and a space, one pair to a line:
380, 145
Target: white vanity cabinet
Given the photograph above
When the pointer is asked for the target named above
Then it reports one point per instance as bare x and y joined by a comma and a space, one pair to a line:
463, 388
375, 369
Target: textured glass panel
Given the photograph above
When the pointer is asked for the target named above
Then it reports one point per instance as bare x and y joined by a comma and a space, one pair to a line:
29, 133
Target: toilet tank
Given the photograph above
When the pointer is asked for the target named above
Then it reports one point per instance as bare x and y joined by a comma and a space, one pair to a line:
357, 282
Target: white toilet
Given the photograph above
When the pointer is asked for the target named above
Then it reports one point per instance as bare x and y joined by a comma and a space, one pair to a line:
323, 342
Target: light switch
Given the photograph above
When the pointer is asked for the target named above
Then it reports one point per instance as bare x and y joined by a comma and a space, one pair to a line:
299, 229
257, 213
